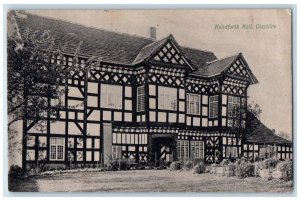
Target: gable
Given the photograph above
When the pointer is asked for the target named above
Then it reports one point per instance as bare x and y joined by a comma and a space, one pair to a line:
170, 53
238, 69
241, 69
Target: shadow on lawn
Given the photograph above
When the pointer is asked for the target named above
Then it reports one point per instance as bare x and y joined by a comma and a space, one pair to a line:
22, 184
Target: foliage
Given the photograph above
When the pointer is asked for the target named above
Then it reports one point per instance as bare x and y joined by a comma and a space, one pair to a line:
118, 165
270, 163
286, 168
231, 169
162, 164
245, 170
15, 171
225, 162
199, 168
176, 165
188, 165
268, 152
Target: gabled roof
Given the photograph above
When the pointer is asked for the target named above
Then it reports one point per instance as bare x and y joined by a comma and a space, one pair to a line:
260, 134
114, 47
121, 48
220, 66
216, 67
148, 50
197, 57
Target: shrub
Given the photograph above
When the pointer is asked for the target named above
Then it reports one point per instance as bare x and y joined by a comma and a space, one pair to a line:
245, 170
162, 164
231, 169
15, 171
176, 165
270, 163
224, 162
286, 168
199, 168
188, 165
118, 165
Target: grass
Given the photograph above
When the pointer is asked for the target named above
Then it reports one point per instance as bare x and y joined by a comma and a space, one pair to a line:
145, 181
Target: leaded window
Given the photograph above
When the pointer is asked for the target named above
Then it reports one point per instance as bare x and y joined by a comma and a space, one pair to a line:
183, 149
213, 106
57, 148
167, 98
193, 104
111, 96
197, 149
141, 98
116, 152
233, 106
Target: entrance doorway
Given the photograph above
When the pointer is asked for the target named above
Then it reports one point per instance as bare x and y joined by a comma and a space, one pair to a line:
162, 148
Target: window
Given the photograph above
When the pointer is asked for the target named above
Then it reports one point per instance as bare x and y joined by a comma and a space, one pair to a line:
231, 152
233, 106
197, 149
193, 104
57, 148
213, 106
183, 149
116, 152
111, 96
167, 98
141, 98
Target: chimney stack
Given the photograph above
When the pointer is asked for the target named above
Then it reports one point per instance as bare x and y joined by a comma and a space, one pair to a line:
152, 33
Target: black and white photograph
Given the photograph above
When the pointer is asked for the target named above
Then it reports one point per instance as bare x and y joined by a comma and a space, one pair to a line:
174, 100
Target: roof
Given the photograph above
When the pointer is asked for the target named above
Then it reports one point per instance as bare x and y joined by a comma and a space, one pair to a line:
220, 66
261, 134
114, 47
216, 67
148, 50
199, 58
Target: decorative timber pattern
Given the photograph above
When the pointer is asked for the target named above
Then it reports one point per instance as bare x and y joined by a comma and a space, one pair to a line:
235, 87
202, 86
238, 69
169, 54
166, 77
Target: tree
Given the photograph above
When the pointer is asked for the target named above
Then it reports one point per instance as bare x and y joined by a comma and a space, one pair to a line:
243, 118
36, 77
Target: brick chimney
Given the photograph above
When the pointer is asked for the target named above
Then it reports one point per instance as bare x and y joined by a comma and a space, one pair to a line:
152, 33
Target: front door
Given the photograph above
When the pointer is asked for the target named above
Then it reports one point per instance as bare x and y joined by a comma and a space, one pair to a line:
163, 149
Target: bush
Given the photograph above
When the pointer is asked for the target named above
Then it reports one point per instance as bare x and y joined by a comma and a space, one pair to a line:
270, 163
286, 168
199, 168
118, 165
245, 170
224, 162
15, 171
188, 165
231, 169
176, 165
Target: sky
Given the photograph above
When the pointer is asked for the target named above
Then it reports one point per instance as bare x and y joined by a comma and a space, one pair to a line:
267, 51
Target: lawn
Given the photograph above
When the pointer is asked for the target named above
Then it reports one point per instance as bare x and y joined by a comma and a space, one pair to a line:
146, 181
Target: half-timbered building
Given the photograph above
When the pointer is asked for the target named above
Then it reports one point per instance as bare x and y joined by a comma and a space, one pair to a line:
146, 100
